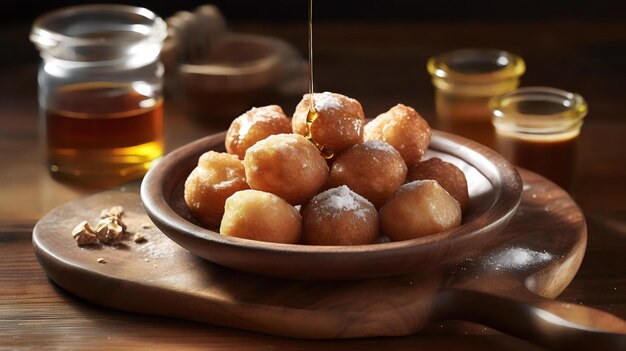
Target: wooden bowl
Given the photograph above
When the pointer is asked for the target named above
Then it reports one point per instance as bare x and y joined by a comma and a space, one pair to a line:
495, 190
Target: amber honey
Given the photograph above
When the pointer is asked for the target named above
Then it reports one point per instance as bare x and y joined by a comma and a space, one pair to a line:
312, 114
537, 128
551, 157
103, 132
465, 80
468, 117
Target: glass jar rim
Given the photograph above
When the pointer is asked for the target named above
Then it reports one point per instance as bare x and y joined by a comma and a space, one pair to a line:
572, 110
45, 36
476, 65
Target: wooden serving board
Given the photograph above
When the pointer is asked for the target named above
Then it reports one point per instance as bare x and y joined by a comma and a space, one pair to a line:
510, 288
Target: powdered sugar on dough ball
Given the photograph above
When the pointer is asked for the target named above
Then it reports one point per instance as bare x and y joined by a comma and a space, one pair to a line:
339, 216
217, 176
286, 165
404, 129
373, 169
254, 125
339, 122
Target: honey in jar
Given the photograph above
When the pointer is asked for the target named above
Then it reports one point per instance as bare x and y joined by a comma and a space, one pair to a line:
100, 91
464, 81
537, 128
103, 130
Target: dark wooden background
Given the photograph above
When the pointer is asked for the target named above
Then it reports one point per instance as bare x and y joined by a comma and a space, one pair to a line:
288, 10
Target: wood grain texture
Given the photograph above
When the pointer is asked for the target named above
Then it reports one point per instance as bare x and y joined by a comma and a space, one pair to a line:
161, 278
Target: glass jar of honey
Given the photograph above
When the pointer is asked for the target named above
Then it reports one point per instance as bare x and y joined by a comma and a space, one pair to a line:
537, 129
100, 91
464, 81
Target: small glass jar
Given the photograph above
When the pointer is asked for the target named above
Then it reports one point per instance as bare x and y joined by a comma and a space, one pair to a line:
464, 81
100, 91
537, 129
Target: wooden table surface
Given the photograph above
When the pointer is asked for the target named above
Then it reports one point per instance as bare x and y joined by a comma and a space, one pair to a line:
380, 64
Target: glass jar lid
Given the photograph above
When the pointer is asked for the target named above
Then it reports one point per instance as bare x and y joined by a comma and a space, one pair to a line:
98, 33
538, 110
476, 66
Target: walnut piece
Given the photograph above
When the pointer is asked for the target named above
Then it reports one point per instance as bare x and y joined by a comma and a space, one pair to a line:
113, 212
84, 234
140, 237
109, 230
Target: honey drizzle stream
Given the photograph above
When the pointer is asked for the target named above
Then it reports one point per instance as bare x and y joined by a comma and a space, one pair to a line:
312, 114
311, 102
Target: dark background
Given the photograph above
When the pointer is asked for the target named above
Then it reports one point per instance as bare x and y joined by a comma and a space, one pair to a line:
17, 16
570, 38
289, 10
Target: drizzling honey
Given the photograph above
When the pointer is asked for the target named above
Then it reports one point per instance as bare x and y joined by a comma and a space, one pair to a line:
310, 118
312, 114
311, 102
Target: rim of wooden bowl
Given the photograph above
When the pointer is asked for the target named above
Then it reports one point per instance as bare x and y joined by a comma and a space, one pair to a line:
161, 180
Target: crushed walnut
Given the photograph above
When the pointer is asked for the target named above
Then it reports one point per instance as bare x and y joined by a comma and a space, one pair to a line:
109, 230
139, 237
84, 234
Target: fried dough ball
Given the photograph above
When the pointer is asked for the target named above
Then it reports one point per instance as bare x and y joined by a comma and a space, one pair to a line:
449, 176
286, 165
417, 209
339, 216
403, 128
257, 215
217, 176
339, 122
374, 170
254, 125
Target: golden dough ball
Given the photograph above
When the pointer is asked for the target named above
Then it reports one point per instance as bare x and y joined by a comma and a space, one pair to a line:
217, 176
404, 129
374, 170
254, 125
257, 215
417, 209
287, 165
339, 122
449, 176
339, 216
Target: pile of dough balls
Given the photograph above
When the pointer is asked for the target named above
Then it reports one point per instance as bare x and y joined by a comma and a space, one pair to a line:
273, 184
